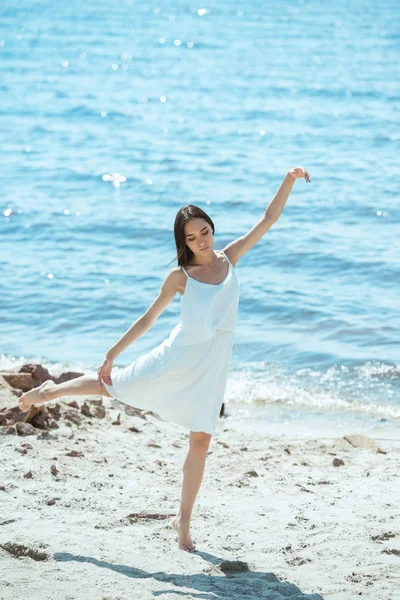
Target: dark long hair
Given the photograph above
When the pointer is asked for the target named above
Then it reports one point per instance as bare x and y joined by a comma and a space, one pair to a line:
183, 216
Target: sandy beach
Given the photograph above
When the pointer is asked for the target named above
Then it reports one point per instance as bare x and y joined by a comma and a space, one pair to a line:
87, 497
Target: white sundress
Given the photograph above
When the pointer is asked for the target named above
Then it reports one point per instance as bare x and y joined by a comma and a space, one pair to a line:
183, 379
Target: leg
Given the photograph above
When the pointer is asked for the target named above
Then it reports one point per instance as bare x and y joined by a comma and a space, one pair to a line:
86, 385
193, 470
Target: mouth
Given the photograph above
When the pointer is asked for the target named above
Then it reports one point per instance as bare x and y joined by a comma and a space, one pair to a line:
202, 250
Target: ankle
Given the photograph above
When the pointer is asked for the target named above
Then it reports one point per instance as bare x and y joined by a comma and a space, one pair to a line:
51, 393
183, 520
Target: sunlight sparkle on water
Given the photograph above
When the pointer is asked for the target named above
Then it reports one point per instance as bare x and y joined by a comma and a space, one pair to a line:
115, 178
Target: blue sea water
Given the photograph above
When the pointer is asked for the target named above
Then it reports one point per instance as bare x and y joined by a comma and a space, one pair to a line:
115, 115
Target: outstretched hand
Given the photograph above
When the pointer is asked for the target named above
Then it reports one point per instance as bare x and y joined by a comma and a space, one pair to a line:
104, 371
299, 172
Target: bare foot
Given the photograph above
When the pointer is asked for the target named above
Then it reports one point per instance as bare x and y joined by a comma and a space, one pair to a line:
38, 395
185, 541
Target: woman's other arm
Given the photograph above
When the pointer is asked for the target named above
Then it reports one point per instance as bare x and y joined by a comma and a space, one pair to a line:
172, 283
170, 286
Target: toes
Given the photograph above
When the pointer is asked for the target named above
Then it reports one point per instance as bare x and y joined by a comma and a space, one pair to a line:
25, 406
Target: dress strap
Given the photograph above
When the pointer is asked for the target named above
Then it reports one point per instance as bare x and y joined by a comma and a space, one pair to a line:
184, 270
227, 258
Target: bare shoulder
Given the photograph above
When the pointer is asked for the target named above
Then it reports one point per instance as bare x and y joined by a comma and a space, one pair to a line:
232, 253
175, 281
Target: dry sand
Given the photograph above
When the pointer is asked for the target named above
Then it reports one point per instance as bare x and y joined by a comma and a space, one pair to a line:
274, 517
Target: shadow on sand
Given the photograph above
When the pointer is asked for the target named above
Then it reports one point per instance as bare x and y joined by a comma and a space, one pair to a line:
221, 579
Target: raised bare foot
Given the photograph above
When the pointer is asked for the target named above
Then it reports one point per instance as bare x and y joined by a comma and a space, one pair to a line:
38, 395
185, 541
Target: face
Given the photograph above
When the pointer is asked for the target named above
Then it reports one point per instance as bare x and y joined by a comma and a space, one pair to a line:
199, 236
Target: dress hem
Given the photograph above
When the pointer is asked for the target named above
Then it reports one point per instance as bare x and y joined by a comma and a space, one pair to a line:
163, 416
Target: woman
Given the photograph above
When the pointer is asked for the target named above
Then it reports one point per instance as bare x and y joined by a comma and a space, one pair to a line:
184, 378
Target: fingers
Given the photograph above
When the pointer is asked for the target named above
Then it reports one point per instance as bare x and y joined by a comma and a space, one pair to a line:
103, 376
104, 373
299, 172
107, 379
100, 375
304, 173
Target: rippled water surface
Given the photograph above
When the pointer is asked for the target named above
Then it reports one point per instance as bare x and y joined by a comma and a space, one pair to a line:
113, 117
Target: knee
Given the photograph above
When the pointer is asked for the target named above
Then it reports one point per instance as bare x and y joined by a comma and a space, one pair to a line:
199, 442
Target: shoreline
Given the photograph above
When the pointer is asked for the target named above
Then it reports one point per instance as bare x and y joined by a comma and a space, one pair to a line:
292, 422
275, 418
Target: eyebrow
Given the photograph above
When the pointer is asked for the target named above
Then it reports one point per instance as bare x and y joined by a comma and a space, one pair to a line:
193, 233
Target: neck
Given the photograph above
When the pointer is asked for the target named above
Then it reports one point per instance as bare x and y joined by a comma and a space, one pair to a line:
206, 260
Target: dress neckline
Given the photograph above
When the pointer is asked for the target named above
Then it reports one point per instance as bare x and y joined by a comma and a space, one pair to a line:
214, 284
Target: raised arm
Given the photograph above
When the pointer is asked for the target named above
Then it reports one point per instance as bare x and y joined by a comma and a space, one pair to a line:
244, 243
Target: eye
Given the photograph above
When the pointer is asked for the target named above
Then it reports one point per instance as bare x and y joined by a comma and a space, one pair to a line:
205, 233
